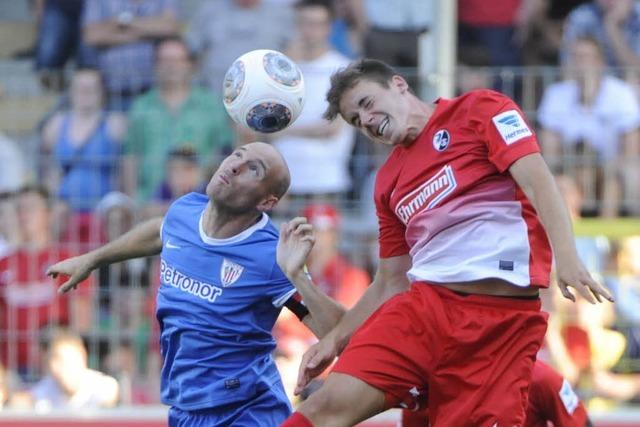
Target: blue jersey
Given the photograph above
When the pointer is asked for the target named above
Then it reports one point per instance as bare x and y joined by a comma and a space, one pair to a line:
217, 303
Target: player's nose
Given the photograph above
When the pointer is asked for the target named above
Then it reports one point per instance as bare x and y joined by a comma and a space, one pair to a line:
367, 118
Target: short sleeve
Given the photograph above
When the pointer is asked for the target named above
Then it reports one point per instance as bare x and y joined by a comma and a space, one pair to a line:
501, 125
391, 230
280, 288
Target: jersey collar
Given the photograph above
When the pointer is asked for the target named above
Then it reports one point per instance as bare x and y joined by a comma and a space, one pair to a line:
233, 239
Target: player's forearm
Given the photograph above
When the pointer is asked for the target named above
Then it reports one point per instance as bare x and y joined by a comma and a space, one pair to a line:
143, 240
108, 33
156, 26
554, 216
325, 312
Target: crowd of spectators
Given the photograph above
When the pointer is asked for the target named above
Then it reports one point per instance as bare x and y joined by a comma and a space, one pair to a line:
140, 122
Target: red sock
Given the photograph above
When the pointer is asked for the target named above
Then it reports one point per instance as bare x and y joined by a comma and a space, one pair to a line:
297, 420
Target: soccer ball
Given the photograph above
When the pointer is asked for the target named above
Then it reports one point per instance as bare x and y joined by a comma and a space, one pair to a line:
264, 91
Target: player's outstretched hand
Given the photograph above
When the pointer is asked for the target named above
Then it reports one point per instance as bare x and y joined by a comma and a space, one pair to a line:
576, 276
294, 245
77, 268
315, 360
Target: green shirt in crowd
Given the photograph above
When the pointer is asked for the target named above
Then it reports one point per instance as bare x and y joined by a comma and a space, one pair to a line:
201, 122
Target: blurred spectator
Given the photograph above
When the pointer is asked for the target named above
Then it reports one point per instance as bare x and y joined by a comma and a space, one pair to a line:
312, 146
124, 287
345, 37
330, 269
183, 175
29, 302
539, 29
70, 384
626, 289
117, 211
473, 70
491, 26
123, 32
174, 113
13, 171
136, 388
594, 251
84, 144
581, 340
221, 31
614, 23
59, 39
10, 236
333, 273
591, 121
392, 29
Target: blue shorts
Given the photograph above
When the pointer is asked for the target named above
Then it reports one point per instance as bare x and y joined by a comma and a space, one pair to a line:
268, 408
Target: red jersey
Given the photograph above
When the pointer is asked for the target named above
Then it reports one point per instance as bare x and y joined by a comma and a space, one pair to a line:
29, 301
448, 199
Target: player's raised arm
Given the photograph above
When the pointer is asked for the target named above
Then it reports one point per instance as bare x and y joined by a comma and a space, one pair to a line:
142, 240
294, 245
533, 176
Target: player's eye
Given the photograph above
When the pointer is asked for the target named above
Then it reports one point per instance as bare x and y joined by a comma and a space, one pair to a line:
253, 168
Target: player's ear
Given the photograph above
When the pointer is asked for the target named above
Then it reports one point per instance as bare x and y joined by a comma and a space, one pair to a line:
268, 203
400, 83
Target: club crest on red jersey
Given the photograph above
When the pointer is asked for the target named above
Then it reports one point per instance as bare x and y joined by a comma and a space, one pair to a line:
230, 272
428, 195
441, 140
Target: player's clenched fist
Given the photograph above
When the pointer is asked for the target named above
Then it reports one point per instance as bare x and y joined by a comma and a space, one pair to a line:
77, 268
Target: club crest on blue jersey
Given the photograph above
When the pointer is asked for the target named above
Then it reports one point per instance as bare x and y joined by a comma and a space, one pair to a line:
441, 140
230, 272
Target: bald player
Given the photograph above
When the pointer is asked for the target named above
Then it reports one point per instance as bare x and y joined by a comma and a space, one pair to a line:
225, 275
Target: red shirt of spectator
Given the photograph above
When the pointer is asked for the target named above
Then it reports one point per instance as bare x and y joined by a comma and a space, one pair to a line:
29, 301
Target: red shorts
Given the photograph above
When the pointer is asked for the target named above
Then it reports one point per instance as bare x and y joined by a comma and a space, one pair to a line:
474, 354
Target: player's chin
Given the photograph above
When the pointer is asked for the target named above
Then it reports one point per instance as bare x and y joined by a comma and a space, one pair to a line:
387, 140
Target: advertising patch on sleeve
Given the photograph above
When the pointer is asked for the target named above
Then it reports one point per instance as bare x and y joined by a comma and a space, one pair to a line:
511, 126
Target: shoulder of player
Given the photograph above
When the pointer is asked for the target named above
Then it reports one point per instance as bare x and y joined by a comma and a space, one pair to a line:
483, 96
190, 201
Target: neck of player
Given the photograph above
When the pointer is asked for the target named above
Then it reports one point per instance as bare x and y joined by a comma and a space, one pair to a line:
219, 223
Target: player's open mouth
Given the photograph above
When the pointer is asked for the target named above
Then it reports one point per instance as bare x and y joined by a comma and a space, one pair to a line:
224, 179
382, 126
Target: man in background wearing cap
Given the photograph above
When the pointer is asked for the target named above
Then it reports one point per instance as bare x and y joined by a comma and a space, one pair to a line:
333, 273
